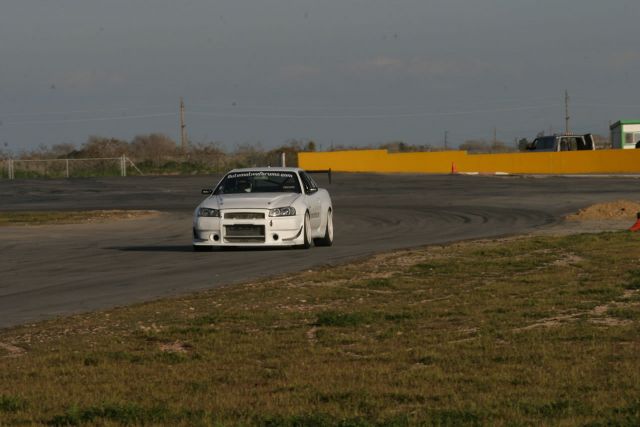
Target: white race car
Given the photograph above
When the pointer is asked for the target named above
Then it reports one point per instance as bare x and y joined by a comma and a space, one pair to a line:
264, 207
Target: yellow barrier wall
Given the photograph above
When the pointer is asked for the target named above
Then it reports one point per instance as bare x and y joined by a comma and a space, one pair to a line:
569, 162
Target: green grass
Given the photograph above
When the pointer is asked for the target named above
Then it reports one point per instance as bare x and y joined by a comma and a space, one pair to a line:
529, 331
331, 318
10, 403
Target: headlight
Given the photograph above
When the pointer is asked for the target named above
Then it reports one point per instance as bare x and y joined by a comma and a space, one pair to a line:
288, 211
208, 212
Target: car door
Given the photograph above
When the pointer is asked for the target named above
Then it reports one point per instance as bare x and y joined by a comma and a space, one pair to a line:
313, 200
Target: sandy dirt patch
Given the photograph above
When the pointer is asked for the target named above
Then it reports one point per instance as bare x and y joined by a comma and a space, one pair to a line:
11, 350
175, 347
618, 209
617, 215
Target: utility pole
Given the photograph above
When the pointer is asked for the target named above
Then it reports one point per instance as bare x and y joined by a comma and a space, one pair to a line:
183, 128
446, 139
566, 112
495, 134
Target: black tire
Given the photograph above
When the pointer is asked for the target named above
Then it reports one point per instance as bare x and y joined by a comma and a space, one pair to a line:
198, 248
306, 232
327, 239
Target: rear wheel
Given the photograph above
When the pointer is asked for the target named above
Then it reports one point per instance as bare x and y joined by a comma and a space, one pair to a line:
327, 239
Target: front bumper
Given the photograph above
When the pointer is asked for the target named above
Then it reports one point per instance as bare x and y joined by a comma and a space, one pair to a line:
248, 227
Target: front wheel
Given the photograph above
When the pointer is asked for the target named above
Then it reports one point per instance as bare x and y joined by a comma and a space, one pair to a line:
306, 232
327, 239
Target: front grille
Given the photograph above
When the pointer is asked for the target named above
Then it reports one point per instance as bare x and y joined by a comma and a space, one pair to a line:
244, 233
244, 215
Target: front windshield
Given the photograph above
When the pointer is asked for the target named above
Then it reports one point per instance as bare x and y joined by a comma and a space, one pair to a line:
259, 182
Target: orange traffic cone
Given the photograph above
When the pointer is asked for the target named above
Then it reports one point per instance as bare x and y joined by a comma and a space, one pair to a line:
636, 226
454, 169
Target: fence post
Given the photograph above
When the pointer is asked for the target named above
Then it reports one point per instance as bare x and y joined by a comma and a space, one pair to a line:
123, 166
67, 164
283, 161
11, 172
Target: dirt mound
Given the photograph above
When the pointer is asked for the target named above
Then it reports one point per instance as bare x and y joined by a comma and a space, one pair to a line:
619, 209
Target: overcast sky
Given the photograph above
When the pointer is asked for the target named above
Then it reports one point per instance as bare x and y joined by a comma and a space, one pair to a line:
342, 72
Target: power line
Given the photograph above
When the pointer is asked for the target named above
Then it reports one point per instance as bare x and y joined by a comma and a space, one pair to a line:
240, 106
606, 105
275, 107
92, 119
279, 116
58, 112
257, 107
372, 116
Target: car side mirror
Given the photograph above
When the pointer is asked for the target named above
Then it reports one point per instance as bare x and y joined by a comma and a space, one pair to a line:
312, 190
207, 191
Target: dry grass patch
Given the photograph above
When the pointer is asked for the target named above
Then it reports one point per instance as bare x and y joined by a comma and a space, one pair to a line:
437, 336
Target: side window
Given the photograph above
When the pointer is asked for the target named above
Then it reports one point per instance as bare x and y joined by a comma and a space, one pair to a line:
307, 182
544, 143
569, 144
312, 182
564, 144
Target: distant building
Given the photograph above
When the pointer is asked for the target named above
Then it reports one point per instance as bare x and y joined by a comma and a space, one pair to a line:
625, 133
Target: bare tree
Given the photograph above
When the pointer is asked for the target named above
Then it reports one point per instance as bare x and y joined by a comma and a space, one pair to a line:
155, 147
97, 146
403, 147
477, 146
210, 154
63, 150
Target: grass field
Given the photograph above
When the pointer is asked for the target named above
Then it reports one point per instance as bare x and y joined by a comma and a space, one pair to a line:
526, 331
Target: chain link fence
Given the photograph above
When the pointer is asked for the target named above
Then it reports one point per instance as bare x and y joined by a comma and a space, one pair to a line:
67, 168
203, 163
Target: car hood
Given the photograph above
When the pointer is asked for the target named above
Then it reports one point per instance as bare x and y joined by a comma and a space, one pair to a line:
250, 201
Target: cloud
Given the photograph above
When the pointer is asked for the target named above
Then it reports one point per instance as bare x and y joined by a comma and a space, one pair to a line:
90, 79
417, 66
623, 59
299, 71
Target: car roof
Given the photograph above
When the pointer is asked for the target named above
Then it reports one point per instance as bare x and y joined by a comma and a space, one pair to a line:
264, 169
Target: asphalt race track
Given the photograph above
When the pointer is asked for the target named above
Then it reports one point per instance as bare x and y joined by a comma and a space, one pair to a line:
47, 271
